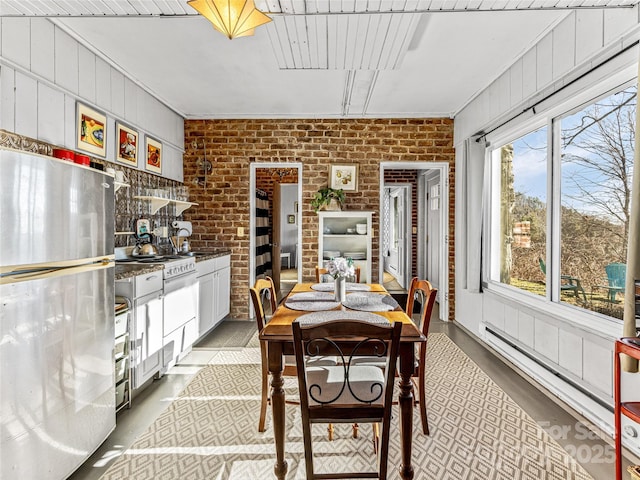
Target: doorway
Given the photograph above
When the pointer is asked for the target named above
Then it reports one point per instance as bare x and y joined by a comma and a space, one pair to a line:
413, 226
397, 236
275, 224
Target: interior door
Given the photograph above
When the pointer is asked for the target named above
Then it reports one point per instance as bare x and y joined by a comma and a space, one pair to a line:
275, 237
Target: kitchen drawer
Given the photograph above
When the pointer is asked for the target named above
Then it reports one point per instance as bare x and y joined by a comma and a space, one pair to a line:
206, 266
121, 324
122, 366
121, 345
148, 283
222, 262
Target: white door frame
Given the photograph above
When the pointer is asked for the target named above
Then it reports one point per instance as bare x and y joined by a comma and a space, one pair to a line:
252, 218
443, 168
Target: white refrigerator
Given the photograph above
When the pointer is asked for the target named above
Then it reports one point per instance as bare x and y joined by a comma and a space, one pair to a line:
57, 393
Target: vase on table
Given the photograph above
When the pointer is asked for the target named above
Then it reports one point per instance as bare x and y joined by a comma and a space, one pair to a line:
340, 288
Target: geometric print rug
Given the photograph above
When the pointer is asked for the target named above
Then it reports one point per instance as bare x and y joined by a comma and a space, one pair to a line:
210, 431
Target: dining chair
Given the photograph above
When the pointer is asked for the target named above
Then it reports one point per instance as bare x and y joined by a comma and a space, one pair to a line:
263, 293
346, 392
422, 292
320, 272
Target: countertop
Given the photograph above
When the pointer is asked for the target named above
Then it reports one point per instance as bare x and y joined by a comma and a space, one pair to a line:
128, 270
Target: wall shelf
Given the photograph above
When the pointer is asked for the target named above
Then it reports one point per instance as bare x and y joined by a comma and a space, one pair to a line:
118, 185
182, 206
158, 202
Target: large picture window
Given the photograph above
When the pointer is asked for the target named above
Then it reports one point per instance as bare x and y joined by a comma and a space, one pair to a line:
583, 193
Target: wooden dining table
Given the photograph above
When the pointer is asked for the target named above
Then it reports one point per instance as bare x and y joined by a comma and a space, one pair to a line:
278, 336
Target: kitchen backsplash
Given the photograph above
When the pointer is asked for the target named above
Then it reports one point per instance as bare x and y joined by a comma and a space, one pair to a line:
128, 208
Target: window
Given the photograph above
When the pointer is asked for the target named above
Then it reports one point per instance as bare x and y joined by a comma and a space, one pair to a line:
596, 151
519, 176
580, 260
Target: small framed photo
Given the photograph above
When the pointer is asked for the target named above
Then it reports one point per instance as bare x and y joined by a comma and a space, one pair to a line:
291, 219
153, 162
344, 177
91, 130
127, 146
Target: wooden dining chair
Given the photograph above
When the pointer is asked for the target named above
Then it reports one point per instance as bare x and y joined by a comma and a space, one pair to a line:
422, 292
323, 271
263, 294
347, 392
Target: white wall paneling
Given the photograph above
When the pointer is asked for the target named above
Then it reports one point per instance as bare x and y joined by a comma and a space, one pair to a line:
589, 33
44, 71
546, 339
26, 106
7, 98
570, 354
42, 48
66, 61
50, 115
87, 74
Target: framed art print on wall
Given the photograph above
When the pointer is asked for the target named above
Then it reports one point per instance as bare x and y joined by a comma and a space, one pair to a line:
91, 130
344, 177
153, 158
127, 145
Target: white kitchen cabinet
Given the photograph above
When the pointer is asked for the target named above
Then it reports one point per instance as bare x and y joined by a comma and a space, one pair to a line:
214, 277
338, 237
145, 293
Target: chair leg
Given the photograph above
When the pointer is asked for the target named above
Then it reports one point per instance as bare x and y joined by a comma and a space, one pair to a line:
423, 404
330, 430
355, 427
265, 392
376, 437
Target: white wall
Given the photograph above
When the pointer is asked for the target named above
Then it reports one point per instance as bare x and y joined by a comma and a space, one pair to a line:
44, 71
564, 341
288, 231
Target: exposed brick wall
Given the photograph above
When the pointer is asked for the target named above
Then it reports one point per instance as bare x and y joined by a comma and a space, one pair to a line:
233, 144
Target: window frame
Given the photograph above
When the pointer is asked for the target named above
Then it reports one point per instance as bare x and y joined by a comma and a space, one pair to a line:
550, 117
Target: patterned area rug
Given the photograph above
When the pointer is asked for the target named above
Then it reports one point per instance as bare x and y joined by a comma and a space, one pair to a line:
477, 431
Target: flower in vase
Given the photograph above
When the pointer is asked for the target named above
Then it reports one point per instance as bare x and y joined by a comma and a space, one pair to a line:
341, 267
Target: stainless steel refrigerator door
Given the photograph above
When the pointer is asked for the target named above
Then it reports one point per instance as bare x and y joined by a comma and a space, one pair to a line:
56, 372
53, 210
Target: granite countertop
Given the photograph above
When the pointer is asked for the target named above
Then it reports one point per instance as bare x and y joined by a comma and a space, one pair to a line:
128, 270
201, 256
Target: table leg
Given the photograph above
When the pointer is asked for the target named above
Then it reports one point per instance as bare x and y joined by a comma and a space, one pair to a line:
277, 405
405, 401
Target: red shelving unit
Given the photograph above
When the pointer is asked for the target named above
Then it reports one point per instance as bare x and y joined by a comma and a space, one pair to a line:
631, 347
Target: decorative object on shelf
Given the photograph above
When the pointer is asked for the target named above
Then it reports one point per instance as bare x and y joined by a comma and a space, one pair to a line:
127, 142
328, 199
232, 18
340, 268
153, 161
344, 177
91, 132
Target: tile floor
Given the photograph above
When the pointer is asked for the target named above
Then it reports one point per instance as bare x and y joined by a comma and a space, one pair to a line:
157, 396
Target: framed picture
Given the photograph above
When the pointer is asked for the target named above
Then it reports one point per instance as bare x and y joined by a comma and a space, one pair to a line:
344, 177
127, 145
153, 161
91, 130
291, 219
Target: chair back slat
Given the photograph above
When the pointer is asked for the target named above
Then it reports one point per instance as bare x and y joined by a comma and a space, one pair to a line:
263, 293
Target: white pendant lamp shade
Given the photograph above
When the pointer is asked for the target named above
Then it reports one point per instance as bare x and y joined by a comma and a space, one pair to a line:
233, 18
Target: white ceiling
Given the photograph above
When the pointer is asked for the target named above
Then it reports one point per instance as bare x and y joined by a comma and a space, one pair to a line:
331, 58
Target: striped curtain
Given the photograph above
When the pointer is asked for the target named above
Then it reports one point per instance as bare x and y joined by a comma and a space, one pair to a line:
263, 244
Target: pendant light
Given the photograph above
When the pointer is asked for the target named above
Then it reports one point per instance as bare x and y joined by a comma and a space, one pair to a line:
233, 18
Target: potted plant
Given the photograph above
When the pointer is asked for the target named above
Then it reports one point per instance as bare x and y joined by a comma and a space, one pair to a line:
328, 199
